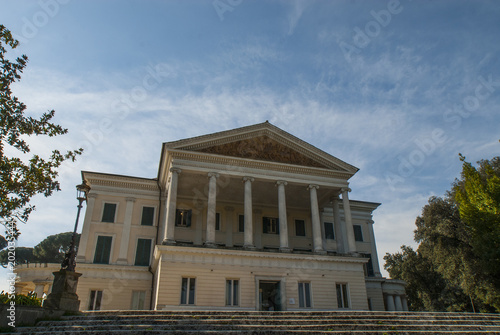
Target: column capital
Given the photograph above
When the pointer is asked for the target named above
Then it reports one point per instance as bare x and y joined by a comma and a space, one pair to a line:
251, 179
345, 189
370, 221
175, 170
130, 199
92, 195
281, 182
311, 186
213, 174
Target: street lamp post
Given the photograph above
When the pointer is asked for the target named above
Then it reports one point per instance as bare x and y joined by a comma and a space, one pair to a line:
69, 262
63, 295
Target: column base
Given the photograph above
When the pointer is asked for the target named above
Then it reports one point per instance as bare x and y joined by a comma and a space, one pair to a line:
121, 261
320, 252
249, 247
168, 242
210, 245
286, 249
80, 259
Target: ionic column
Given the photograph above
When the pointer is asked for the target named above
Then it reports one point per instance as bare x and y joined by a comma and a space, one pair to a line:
212, 196
351, 242
248, 240
169, 237
376, 268
82, 247
282, 216
340, 232
316, 224
397, 303
127, 223
390, 302
405, 303
229, 225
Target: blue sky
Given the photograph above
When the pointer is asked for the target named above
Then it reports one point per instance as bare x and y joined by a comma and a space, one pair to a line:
395, 88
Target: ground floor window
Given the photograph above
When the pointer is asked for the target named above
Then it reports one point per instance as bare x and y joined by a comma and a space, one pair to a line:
95, 300
188, 291
304, 295
232, 292
138, 299
342, 296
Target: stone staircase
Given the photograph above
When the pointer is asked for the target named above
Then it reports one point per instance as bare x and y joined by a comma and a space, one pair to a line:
240, 322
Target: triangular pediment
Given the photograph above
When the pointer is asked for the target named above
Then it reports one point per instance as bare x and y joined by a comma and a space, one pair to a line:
264, 142
262, 148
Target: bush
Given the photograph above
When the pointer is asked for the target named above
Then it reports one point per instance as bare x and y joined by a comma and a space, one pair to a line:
21, 299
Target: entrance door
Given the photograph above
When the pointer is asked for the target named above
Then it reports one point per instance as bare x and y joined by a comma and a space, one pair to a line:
269, 295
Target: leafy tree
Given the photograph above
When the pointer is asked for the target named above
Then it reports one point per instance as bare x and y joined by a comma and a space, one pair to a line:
21, 179
53, 248
23, 256
458, 254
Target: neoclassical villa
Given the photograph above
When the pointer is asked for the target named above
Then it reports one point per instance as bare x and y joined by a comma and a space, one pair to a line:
251, 218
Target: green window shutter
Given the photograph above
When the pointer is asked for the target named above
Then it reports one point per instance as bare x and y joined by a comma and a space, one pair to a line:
102, 250
148, 214
108, 213
143, 252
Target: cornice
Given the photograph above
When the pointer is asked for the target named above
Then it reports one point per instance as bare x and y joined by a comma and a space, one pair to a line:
235, 163
119, 181
257, 254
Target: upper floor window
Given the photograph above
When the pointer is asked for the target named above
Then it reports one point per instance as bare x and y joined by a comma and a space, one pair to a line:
148, 214
241, 223
103, 249
358, 233
143, 252
108, 212
368, 266
270, 225
300, 228
217, 221
329, 232
183, 217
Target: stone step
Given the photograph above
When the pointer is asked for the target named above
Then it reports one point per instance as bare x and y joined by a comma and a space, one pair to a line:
246, 322
155, 321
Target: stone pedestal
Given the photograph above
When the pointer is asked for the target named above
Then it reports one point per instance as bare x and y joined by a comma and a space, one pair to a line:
63, 294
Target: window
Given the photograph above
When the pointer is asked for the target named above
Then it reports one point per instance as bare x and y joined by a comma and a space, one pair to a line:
217, 221
102, 249
300, 228
304, 295
108, 212
329, 232
358, 233
232, 292
143, 252
241, 223
95, 300
187, 291
148, 214
138, 299
183, 217
270, 225
368, 266
342, 296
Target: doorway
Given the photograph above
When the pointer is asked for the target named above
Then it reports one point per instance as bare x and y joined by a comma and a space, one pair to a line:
269, 295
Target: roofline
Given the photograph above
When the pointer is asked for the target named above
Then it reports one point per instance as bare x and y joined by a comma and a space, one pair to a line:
116, 175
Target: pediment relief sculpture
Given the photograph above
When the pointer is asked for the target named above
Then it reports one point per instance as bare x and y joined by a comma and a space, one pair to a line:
262, 148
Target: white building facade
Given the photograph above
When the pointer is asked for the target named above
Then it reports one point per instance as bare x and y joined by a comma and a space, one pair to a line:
248, 219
